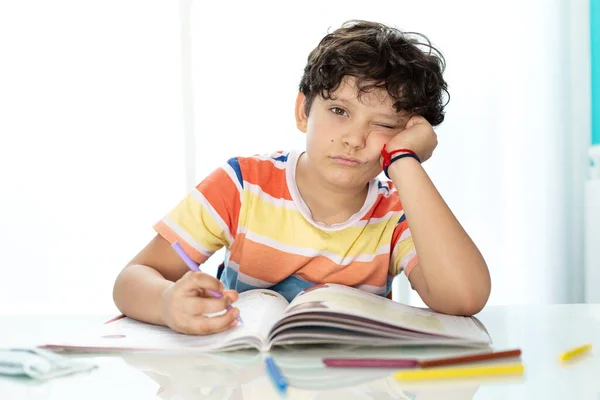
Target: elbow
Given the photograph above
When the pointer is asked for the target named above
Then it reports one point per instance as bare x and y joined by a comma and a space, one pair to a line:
467, 302
474, 300
476, 292
466, 307
470, 307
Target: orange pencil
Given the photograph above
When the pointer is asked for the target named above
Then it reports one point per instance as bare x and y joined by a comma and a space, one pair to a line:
470, 358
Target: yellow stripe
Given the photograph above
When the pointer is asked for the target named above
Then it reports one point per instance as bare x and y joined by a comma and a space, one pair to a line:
460, 372
402, 249
292, 228
196, 220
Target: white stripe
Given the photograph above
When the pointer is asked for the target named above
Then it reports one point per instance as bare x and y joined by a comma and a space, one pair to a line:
383, 249
247, 279
186, 237
269, 157
233, 176
233, 265
386, 191
306, 252
257, 190
405, 235
196, 194
372, 289
407, 258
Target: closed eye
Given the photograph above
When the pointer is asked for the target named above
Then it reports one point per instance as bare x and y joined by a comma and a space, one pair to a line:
338, 111
386, 126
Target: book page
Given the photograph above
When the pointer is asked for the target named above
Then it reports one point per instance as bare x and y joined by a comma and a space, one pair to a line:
340, 299
259, 309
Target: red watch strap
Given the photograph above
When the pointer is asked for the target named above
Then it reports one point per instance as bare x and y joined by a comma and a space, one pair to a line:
387, 155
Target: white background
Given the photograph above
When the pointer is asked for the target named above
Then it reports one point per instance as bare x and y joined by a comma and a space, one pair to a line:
110, 110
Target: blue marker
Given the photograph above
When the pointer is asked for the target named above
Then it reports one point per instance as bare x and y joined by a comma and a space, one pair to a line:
278, 379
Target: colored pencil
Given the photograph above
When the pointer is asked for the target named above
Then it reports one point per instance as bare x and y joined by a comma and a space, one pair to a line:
459, 372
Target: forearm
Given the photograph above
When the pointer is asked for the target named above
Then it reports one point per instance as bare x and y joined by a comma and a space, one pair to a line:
455, 273
138, 293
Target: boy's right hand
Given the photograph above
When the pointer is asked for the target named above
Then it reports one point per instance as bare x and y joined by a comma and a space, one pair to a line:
185, 302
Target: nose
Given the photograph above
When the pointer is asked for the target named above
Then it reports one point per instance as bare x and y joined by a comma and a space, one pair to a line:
355, 138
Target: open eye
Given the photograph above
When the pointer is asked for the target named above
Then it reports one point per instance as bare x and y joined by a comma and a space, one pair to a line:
338, 111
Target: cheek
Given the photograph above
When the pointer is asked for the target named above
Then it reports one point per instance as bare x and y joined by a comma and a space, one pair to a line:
378, 139
320, 135
317, 143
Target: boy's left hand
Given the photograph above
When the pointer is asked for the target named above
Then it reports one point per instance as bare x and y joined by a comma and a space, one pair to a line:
418, 136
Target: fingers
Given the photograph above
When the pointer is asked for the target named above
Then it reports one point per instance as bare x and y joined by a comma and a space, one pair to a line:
205, 305
204, 325
232, 294
415, 119
193, 281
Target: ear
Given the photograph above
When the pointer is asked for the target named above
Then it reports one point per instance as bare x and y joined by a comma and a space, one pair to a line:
301, 116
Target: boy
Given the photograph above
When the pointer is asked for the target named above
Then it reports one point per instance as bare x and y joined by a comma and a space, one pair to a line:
368, 100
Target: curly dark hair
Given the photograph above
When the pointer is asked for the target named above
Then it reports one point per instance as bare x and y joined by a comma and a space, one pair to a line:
379, 57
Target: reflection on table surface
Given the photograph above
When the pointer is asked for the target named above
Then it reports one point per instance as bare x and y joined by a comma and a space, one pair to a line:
241, 375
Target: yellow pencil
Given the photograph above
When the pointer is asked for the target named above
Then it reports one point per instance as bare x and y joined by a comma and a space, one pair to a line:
460, 372
567, 355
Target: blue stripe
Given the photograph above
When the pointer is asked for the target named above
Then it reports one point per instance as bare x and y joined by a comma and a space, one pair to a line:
290, 287
388, 284
283, 158
234, 163
380, 186
595, 59
229, 278
402, 218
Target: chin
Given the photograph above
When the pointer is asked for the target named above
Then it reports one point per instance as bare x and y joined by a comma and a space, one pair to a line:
347, 180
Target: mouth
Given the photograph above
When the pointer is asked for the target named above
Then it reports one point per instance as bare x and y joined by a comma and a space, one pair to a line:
348, 161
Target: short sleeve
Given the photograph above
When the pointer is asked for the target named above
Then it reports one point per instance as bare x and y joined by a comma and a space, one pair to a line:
206, 219
403, 252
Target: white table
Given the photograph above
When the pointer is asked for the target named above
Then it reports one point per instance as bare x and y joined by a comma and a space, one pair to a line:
541, 332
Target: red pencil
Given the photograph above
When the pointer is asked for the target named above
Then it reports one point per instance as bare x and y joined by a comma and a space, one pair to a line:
370, 362
469, 358
411, 363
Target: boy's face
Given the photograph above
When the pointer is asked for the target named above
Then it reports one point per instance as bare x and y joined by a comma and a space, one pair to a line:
345, 135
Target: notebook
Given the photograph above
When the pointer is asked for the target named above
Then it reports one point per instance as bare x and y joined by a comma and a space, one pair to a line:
325, 314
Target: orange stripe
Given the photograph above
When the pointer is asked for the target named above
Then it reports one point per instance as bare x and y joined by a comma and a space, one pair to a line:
238, 246
271, 265
356, 273
163, 230
223, 195
264, 174
382, 206
265, 263
401, 227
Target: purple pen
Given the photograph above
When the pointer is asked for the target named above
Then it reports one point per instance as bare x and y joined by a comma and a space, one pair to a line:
192, 265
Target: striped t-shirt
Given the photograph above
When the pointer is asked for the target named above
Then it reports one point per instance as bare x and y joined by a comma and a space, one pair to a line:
252, 207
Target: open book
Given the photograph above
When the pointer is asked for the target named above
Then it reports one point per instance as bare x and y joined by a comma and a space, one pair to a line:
322, 314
